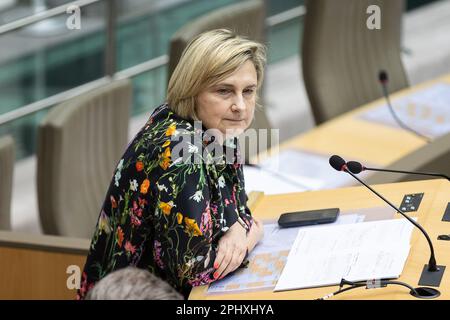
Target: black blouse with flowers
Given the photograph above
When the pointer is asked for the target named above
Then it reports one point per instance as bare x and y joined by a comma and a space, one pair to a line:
165, 211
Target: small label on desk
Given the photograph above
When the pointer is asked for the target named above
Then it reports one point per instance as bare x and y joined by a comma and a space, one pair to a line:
411, 202
446, 216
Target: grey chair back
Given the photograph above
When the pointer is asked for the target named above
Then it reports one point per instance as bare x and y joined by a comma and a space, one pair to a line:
433, 157
341, 56
6, 180
246, 18
79, 144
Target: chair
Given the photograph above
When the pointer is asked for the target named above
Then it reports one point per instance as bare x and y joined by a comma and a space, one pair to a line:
79, 144
432, 157
341, 57
7, 4
6, 179
246, 18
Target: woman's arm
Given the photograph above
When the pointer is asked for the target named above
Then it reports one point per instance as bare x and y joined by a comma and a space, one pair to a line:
186, 226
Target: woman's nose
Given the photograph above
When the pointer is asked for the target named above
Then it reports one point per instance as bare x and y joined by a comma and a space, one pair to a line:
238, 103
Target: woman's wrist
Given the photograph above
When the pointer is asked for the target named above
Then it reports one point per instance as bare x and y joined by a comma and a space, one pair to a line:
243, 224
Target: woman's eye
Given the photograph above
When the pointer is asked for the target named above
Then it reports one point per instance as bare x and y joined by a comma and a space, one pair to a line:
223, 91
249, 91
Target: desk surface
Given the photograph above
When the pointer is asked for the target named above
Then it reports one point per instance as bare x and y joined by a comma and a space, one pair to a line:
354, 138
434, 202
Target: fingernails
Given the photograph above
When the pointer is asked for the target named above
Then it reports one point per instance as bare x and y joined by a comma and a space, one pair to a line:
216, 275
216, 265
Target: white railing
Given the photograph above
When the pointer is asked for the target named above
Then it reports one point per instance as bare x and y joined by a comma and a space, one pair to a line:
110, 54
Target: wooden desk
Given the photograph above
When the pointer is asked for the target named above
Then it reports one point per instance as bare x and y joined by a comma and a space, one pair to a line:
431, 210
33, 266
353, 138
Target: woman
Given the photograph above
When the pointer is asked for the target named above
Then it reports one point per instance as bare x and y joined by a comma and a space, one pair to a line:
176, 206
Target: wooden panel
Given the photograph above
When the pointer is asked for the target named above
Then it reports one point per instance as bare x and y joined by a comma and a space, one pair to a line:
34, 266
32, 274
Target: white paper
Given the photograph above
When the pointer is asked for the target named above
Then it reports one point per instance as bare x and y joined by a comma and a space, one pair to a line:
426, 111
276, 238
323, 256
259, 180
295, 171
267, 259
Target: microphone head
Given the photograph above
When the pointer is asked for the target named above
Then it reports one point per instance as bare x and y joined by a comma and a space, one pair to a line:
337, 162
355, 167
383, 76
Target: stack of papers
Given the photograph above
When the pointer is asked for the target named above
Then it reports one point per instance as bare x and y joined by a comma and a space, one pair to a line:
325, 255
268, 259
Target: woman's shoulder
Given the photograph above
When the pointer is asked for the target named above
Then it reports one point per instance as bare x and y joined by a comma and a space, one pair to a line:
163, 125
166, 121
162, 137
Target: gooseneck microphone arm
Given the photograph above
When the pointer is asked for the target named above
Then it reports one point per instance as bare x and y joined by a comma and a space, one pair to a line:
383, 78
339, 164
356, 167
408, 172
432, 262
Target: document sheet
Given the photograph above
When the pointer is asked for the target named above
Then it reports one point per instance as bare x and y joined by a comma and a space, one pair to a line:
295, 171
425, 111
324, 255
268, 259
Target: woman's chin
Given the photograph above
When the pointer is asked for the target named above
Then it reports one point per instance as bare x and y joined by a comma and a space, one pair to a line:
234, 132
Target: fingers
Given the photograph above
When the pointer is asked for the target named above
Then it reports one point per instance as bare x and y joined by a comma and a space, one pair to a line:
228, 256
231, 251
220, 260
234, 263
228, 259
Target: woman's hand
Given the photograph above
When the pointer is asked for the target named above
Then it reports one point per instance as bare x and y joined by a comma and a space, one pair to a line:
255, 234
233, 247
232, 250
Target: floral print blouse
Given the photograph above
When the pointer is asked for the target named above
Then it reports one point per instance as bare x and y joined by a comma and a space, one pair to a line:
163, 213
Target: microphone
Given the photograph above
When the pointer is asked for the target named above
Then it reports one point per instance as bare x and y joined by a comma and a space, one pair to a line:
430, 270
383, 78
356, 167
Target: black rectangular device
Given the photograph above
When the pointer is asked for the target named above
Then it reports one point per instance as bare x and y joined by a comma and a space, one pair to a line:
307, 218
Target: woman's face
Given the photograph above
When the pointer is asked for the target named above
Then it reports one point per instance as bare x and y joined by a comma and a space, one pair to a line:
229, 105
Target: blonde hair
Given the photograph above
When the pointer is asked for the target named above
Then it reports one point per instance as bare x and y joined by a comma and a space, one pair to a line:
208, 59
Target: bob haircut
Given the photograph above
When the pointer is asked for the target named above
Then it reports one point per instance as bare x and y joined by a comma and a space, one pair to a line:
208, 59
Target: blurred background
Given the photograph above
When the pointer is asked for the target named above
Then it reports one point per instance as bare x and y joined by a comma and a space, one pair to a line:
43, 63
